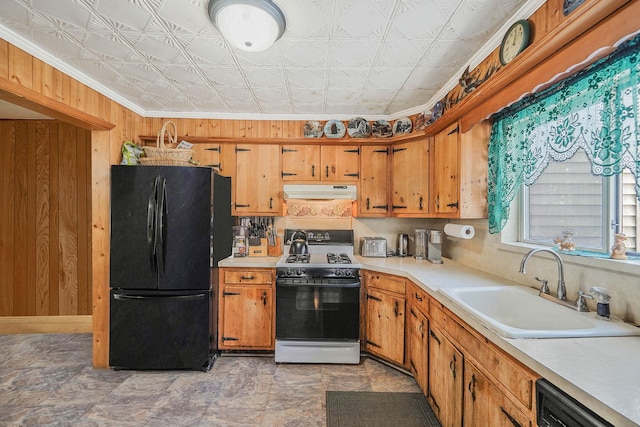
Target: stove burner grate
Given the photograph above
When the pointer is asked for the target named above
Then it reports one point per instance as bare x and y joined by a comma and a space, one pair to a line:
298, 258
342, 258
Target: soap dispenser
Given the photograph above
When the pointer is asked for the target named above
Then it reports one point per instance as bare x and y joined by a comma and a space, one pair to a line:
602, 298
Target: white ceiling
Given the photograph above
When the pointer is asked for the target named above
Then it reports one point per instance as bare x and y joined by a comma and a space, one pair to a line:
337, 58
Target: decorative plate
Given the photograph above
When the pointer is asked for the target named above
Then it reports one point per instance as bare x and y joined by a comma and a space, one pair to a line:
402, 126
358, 128
312, 129
437, 111
381, 129
422, 121
334, 129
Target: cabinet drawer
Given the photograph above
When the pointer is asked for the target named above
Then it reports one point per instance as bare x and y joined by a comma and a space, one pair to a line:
248, 276
514, 378
419, 298
385, 282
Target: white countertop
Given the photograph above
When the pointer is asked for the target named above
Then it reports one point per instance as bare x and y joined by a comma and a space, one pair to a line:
602, 373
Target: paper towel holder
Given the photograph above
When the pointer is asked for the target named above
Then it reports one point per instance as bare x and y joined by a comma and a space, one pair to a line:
459, 230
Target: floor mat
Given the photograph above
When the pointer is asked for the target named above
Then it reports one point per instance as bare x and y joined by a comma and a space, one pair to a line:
373, 409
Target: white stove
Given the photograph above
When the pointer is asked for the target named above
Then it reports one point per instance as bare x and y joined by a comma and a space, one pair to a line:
318, 300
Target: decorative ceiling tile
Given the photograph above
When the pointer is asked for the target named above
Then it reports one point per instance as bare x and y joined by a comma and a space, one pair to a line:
336, 57
419, 19
185, 16
348, 76
108, 47
67, 11
124, 14
390, 78
156, 49
352, 53
311, 53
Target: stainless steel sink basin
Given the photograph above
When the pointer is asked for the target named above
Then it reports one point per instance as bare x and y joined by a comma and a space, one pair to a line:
518, 312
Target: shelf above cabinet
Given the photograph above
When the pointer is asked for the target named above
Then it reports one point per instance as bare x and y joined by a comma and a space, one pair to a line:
147, 139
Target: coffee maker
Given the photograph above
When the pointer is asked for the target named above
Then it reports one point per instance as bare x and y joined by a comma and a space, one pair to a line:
434, 247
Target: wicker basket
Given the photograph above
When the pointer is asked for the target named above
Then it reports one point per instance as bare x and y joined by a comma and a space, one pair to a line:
161, 155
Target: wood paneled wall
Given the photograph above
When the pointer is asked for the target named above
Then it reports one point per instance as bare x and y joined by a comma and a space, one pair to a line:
45, 233
229, 128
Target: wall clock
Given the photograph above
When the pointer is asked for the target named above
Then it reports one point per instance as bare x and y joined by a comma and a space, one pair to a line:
515, 40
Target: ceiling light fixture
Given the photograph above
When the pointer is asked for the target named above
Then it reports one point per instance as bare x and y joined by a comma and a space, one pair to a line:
251, 25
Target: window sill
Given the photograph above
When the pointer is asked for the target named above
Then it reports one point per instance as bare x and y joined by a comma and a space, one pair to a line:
617, 266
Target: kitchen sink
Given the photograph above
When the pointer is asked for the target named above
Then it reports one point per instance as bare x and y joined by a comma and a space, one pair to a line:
519, 312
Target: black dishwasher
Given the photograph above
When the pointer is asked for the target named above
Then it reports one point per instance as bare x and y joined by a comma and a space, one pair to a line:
557, 409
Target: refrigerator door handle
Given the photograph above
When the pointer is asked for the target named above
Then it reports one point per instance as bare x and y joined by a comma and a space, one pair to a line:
161, 219
151, 226
194, 297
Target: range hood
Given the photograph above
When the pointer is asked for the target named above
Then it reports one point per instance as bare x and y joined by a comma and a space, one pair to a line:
319, 192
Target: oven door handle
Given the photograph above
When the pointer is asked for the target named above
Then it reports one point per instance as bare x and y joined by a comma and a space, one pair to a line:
319, 285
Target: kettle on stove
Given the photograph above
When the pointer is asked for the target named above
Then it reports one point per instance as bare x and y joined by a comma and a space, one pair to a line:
299, 243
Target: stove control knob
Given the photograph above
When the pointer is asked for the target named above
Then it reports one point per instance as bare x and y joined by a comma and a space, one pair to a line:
338, 272
348, 273
289, 272
299, 271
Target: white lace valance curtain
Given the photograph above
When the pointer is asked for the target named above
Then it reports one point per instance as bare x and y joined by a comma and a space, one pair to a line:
595, 110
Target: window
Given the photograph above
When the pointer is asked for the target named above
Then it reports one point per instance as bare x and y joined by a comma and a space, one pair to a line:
573, 152
567, 196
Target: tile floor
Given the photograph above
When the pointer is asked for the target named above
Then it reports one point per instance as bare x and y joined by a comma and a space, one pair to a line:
47, 380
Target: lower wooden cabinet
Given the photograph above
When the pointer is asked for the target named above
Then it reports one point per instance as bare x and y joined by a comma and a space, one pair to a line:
472, 382
485, 405
419, 348
246, 309
385, 316
467, 379
385, 325
446, 365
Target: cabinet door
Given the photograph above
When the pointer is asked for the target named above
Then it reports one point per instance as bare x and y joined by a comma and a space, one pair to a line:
446, 182
220, 157
418, 348
301, 162
474, 148
385, 325
484, 404
258, 183
411, 179
374, 169
445, 379
340, 162
246, 317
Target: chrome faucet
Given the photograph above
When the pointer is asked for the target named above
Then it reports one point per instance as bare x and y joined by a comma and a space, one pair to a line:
562, 291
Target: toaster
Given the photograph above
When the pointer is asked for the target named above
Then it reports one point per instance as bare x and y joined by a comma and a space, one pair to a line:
373, 247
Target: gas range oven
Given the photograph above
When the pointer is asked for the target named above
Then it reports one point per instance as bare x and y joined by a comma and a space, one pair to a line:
318, 300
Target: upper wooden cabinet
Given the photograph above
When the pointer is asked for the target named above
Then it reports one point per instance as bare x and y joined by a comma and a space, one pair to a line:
411, 179
221, 157
258, 187
374, 181
301, 162
459, 172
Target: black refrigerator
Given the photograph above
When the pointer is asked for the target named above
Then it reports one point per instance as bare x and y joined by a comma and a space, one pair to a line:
169, 226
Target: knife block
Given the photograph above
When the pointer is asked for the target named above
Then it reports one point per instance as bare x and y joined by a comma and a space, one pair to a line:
259, 250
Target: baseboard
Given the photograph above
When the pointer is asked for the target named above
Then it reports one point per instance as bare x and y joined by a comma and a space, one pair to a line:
46, 324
